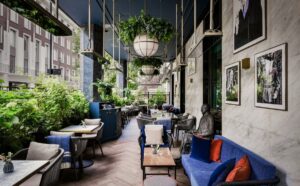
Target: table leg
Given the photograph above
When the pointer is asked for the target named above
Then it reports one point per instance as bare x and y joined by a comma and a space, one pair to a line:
144, 174
169, 171
175, 171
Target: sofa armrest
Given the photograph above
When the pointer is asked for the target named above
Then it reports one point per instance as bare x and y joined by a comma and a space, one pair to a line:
274, 181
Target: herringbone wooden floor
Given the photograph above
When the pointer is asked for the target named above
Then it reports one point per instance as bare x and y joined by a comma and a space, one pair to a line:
120, 165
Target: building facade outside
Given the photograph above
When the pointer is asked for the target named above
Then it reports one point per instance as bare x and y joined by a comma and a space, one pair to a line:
25, 51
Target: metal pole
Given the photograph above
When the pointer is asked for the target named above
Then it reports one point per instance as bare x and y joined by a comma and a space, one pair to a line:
211, 24
176, 30
182, 57
195, 20
103, 20
119, 44
113, 27
89, 23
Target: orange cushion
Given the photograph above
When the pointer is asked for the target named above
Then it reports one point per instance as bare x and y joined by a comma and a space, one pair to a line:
241, 171
215, 150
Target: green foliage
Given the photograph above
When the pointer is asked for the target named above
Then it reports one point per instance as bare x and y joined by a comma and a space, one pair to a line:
155, 73
139, 62
145, 24
76, 41
52, 105
104, 89
158, 98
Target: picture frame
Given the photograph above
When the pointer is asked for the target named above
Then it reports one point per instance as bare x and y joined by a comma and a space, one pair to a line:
270, 78
249, 23
191, 66
233, 84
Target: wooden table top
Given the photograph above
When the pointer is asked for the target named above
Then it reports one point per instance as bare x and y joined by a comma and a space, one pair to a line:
161, 159
80, 129
23, 170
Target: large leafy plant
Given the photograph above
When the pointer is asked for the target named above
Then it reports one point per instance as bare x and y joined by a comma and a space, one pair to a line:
145, 24
51, 106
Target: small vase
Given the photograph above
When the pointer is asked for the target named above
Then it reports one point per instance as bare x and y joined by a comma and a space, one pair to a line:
8, 167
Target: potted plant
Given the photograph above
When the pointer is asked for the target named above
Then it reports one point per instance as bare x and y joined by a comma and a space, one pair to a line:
105, 90
8, 165
145, 32
149, 65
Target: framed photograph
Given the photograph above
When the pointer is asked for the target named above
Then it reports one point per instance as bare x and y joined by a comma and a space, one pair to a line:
249, 23
233, 84
191, 66
270, 78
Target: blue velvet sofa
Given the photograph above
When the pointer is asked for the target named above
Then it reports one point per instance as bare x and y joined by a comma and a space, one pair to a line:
262, 172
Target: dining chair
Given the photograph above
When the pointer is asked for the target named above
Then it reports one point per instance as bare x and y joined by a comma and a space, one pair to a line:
48, 175
95, 138
185, 125
142, 121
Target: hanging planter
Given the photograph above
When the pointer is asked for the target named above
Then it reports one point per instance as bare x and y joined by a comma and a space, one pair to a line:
148, 69
145, 32
149, 66
145, 46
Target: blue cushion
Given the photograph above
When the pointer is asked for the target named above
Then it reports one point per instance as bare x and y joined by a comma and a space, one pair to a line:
221, 172
200, 149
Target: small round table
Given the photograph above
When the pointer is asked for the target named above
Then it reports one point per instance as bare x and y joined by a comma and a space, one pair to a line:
160, 181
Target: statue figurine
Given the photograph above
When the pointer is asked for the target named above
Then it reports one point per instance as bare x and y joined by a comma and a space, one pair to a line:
206, 125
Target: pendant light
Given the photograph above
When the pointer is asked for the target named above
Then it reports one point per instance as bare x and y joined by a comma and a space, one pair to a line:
211, 31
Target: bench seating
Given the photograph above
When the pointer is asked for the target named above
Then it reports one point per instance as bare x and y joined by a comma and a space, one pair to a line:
262, 172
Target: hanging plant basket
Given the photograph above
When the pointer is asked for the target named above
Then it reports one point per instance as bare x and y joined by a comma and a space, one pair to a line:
155, 73
145, 32
149, 65
145, 46
148, 69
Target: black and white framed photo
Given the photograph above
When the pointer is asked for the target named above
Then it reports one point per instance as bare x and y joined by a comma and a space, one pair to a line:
233, 84
249, 23
270, 78
191, 66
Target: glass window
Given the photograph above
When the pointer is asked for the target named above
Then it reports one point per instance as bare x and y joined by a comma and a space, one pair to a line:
62, 41
55, 54
1, 34
13, 38
1, 9
38, 30
27, 24
62, 57
13, 16
26, 53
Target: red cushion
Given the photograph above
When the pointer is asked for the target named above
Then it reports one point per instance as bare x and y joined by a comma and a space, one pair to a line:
215, 150
241, 171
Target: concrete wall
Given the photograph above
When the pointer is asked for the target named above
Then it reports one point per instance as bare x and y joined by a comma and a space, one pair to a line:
272, 134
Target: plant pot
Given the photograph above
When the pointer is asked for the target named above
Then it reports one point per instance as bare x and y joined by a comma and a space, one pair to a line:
148, 69
8, 167
145, 46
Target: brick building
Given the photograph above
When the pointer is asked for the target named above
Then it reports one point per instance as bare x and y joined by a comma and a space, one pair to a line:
25, 51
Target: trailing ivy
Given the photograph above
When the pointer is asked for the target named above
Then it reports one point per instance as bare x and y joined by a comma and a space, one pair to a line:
145, 24
139, 62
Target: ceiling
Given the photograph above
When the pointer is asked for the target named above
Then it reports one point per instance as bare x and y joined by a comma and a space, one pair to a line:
165, 9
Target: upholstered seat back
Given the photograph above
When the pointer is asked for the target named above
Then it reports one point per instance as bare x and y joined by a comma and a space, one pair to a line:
260, 168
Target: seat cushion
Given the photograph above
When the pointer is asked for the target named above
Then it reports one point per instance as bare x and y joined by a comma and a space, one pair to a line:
92, 121
200, 149
41, 151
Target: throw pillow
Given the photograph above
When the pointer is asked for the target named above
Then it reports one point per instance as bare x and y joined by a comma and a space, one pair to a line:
200, 149
220, 173
241, 171
154, 134
215, 150
41, 151
92, 121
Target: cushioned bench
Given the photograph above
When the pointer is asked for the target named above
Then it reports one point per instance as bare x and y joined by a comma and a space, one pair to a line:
262, 172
